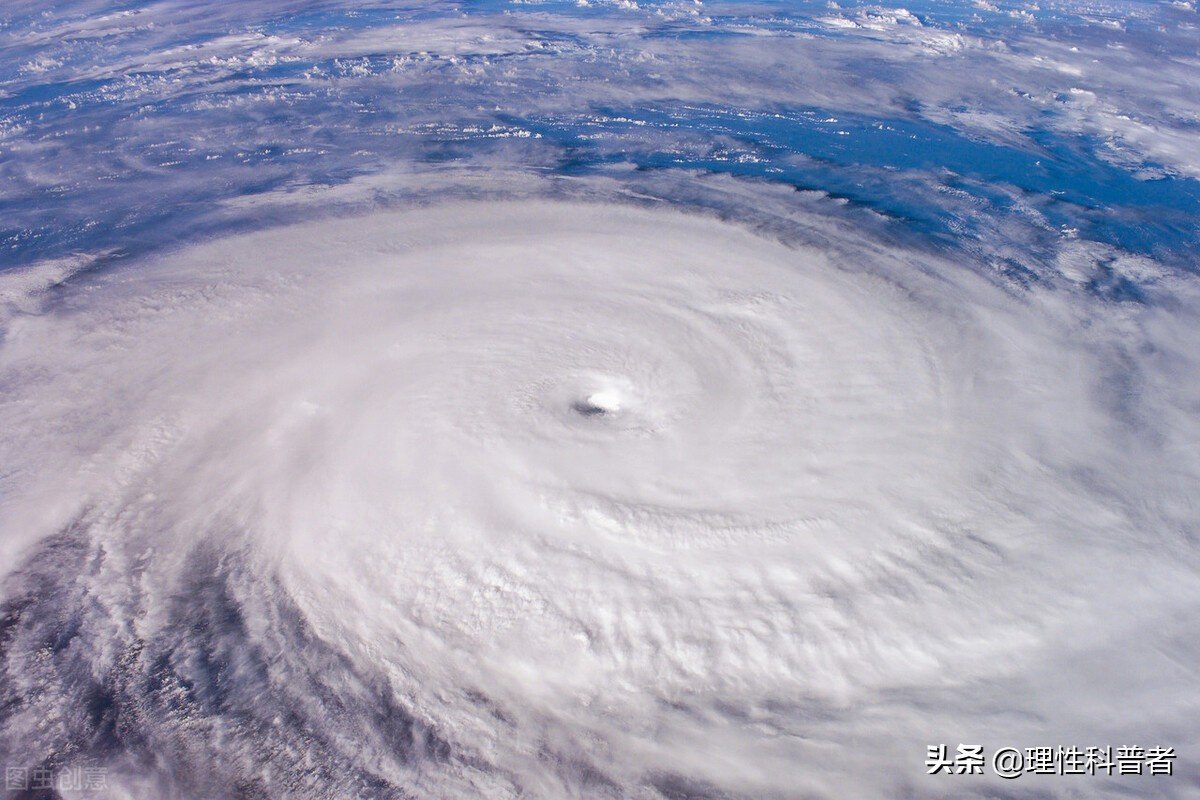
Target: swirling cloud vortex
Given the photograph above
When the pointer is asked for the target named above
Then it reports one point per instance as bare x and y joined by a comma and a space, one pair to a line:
563, 500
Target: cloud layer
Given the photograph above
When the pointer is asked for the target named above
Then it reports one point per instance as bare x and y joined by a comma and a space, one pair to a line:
617, 400
597, 501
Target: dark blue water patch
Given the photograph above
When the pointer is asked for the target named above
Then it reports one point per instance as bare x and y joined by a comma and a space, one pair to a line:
42, 94
894, 164
144, 212
1052, 164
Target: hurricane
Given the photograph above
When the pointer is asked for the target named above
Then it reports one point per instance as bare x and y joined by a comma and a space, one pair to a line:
650, 400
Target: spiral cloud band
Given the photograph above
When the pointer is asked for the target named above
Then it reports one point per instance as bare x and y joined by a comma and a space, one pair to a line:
599, 399
550, 499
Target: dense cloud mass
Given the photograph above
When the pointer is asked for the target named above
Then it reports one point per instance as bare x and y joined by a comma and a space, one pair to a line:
596, 400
